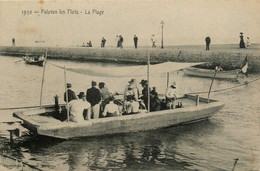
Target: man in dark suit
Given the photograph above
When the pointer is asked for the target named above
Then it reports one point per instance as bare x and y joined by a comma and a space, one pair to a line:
94, 98
135, 41
71, 93
207, 42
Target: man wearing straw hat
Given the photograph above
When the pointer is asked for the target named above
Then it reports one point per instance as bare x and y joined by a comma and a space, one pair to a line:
171, 95
71, 93
77, 107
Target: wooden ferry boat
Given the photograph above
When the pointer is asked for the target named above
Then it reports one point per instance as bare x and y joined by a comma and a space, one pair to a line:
43, 122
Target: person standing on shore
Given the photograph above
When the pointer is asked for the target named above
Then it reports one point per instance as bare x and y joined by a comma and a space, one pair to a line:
103, 42
94, 98
13, 42
153, 41
117, 41
248, 44
207, 42
121, 39
242, 43
135, 41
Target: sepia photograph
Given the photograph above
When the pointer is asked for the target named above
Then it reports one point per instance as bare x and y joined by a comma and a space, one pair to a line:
156, 85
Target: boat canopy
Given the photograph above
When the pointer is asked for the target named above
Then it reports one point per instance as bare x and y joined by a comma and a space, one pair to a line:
134, 71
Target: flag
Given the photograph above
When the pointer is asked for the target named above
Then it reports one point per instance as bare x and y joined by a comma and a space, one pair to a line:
245, 66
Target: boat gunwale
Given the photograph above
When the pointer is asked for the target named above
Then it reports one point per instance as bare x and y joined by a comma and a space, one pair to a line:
213, 103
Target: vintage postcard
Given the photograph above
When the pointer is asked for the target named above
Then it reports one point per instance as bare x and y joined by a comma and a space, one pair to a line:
129, 85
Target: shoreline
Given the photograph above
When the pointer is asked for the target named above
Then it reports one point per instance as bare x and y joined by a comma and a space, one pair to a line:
230, 57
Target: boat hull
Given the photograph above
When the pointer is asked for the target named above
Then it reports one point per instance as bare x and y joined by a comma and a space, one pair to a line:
198, 72
123, 124
31, 61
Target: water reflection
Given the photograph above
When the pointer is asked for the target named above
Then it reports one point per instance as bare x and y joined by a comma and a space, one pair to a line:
207, 145
143, 150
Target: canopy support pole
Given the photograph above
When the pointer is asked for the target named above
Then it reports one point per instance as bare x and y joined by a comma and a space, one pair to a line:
43, 74
66, 92
216, 70
167, 79
148, 89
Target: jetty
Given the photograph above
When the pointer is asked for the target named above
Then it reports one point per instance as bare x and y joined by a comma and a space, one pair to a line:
230, 56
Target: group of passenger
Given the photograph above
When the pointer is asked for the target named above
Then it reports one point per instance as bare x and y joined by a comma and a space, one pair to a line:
99, 102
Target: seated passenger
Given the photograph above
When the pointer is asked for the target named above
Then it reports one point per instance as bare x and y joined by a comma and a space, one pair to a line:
111, 109
171, 96
77, 107
133, 106
144, 96
155, 103
131, 93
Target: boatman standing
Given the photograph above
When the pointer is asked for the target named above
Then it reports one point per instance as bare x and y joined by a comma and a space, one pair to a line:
94, 98
77, 107
71, 93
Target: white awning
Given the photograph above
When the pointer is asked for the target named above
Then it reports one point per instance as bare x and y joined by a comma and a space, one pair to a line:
133, 71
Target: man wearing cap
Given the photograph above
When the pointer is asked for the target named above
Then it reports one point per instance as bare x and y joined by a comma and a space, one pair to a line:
71, 93
77, 107
94, 98
171, 96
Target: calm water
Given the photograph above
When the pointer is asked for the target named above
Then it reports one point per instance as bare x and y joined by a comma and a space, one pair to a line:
208, 145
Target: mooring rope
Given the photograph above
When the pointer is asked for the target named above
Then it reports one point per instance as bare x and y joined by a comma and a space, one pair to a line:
226, 89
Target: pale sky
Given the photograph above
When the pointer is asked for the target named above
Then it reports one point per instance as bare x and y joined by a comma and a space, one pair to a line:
187, 22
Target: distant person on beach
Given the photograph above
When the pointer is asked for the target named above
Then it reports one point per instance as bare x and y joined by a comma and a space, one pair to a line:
117, 41
94, 98
71, 93
89, 44
207, 42
248, 44
103, 42
121, 39
242, 43
153, 41
135, 41
13, 42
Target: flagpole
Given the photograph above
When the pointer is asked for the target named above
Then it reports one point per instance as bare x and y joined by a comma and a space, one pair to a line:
66, 92
43, 74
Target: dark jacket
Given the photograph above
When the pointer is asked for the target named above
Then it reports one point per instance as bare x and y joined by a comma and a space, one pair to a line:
207, 40
93, 96
71, 95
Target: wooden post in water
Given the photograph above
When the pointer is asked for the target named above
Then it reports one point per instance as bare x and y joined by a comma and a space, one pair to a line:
66, 91
197, 100
43, 74
148, 89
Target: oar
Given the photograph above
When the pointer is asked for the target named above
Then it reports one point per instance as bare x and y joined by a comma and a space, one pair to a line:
18, 61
